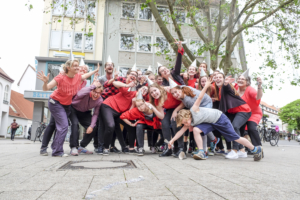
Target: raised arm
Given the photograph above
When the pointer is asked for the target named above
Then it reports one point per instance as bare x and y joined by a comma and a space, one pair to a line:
46, 86
176, 110
179, 58
178, 135
119, 84
197, 103
159, 112
259, 89
88, 75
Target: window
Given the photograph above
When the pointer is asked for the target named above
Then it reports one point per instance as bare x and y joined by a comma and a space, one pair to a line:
123, 71
127, 42
89, 44
80, 8
145, 43
57, 7
70, 8
6, 92
145, 13
91, 9
55, 39
180, 16
66, 40
164, 13
128, 10
195, 45
162, 44
214, 14
77, 41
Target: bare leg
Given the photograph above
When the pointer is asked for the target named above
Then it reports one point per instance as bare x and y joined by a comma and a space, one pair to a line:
198, 138
245, 142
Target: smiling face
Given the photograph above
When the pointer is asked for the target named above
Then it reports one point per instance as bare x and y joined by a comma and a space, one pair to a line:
141, 106
131, 77
109, 67
203, 81
192, 71
83, 70
186, 122
155, 92
202, 65
176, 93
214, 75
96, 93
144, 90
219, 79
164, 72
152, 77
74, 69
159, 80
242, 81
140, 74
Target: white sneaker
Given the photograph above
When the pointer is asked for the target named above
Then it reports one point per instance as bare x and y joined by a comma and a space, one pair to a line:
232, 155
74, 151
242, 154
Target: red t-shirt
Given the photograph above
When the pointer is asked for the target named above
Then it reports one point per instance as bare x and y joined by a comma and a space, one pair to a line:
171, 102
120, 102
66, 88
192, 82
250, 98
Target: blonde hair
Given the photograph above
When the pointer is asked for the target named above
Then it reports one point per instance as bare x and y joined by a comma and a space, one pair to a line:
182, 114
161, 99
69, 63
186, 90
208, 91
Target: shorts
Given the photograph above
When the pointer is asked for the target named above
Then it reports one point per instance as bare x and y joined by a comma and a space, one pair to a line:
223, 125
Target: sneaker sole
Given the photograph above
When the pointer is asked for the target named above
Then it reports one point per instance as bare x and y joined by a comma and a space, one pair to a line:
105, 154
99, 153
182, 156
140, 154
231, 158
44, 154
258, 158
198, 158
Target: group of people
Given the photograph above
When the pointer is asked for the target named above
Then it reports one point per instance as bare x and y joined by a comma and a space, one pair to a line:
182, 113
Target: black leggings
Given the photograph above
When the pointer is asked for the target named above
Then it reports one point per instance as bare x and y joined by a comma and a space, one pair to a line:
131, 133
166, 123
109, 122
140, 134
252, 132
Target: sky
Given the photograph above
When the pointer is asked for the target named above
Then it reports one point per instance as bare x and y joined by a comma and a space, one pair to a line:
20, 43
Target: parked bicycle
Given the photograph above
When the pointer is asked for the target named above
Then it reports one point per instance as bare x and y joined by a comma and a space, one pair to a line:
269, 134
39, 133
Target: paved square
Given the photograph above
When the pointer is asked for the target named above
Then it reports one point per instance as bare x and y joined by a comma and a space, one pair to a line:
24, 174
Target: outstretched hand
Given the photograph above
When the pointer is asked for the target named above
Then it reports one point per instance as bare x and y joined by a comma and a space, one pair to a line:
116, 73
43, 77
229, 80
259, 81
179, 44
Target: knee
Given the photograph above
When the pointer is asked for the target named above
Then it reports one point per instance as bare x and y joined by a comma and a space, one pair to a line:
196, 130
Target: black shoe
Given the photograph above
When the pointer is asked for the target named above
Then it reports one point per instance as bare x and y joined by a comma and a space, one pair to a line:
43, 152
99, 151
132, 151
125, 150
177, 153
114, 150
166, 152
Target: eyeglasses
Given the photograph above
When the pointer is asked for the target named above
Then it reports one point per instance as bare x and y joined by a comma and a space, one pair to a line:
140, 105
241, 79
109, 65
133, 74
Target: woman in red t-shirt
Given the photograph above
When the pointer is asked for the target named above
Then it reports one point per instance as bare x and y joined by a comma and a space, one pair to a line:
252, 98
190, 77
235, 107
68, 85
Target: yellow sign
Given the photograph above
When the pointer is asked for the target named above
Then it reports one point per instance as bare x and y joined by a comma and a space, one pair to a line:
75, 53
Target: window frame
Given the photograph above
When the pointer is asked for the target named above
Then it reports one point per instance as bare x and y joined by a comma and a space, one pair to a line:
146, 35
134, 42
135, 9
147, 20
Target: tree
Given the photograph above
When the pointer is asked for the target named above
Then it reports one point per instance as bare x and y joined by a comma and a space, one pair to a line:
290, 114
221, 24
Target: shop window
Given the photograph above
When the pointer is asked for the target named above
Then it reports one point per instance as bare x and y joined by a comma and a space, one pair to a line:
162, 44
127, 42
145, 14
145, 43
128, 10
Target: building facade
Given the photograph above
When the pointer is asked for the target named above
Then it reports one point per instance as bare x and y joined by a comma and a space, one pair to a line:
271, 113
5, 93
27, 80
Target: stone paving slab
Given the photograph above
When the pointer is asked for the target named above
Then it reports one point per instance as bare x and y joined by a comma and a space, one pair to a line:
24, 174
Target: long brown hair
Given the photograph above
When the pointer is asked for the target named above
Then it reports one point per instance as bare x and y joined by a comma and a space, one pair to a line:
161, 99
218, 89
209, 90
186, 90
187, 81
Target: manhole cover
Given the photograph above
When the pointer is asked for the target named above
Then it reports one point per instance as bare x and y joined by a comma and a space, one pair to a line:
98, 164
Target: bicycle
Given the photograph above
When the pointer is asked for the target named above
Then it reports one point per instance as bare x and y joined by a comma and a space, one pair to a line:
39, 131
269, 135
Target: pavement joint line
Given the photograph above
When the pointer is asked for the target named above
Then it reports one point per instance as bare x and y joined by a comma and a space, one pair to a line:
247, 176
45, 191
88, 187
32, 164
172, 193
169, 166
208, 189
5, 174
223, 179
125, 177
149, 169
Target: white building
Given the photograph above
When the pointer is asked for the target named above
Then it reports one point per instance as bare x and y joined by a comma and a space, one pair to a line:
5, 90
272, 115
27, 81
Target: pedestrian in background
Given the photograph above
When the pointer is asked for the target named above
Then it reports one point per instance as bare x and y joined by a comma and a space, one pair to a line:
14, 126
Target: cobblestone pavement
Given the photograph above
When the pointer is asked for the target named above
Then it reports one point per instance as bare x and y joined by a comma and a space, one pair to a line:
24, 174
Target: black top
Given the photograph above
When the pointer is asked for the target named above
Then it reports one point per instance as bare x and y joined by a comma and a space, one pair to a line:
176, 72
229, 99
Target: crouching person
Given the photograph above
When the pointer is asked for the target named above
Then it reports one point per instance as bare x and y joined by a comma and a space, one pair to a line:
205, 120
87, 98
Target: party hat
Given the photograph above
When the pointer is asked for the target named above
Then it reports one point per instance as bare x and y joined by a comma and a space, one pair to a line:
131, 89
202, 72
204, 62
246, 73
81, 62
210, 71
221, 71
139, 96
194, 64
134, 67
109, 59
149, 68
149, 81
71, 57
172, 83
159, 65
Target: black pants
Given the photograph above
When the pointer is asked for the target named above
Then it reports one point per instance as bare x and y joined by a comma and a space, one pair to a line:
252, 132
85, 119
13, 132
238, 120
109, 122
140, 134
48, 133
131, 133
166, 123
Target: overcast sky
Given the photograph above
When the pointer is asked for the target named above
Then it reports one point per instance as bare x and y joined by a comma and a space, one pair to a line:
20, 39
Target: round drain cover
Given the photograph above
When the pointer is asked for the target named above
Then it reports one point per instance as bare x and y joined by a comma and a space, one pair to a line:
99, 164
